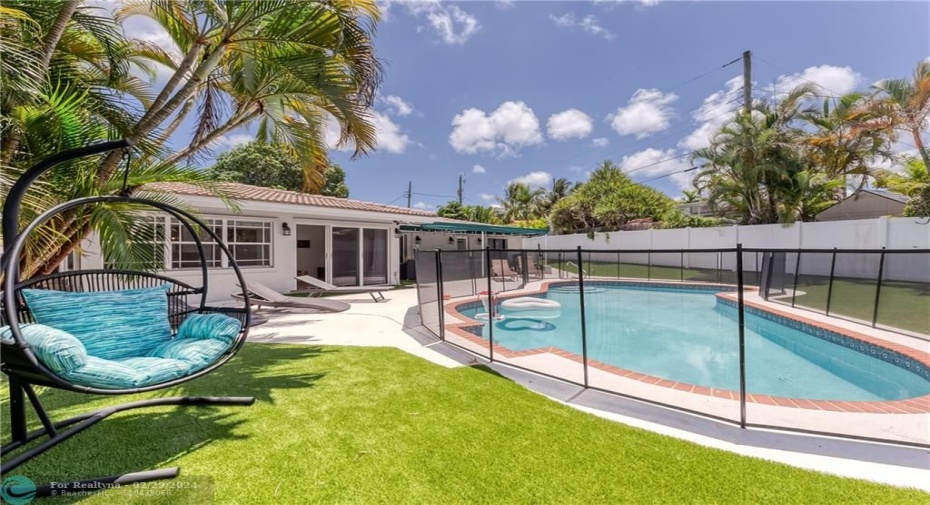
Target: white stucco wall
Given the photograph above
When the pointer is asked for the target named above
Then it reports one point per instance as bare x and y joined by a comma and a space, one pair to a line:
279, 276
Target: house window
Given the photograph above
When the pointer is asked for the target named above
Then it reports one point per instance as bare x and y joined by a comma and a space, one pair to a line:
497, 243
184, 252
249, 242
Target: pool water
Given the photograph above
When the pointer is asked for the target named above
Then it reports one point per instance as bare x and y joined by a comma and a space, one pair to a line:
684, 335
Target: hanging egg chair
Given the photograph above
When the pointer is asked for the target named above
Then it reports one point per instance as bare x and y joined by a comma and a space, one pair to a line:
106, 332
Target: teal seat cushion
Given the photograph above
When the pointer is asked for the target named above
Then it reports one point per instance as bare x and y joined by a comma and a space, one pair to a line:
214, 326
58, 350
157, 370
126, 374
110, 324
104, 373
198, 353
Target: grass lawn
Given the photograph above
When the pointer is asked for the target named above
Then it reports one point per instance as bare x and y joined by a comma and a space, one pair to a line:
904, 305
367, 425
637, 271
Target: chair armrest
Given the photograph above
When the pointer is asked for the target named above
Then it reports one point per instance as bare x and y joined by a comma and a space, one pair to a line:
58, 350
215, 326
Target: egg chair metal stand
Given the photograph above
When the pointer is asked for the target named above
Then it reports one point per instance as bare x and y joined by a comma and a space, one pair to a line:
24, 370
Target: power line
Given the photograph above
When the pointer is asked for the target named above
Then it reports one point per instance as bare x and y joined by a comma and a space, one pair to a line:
435, 196
627, 146
690, 169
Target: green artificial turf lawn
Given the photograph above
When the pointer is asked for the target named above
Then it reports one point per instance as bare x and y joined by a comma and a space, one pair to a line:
904, 305
376, 425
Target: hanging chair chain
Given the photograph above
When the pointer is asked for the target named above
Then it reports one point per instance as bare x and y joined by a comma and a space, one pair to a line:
125, 189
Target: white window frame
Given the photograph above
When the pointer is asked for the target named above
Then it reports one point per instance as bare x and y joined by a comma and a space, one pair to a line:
222, 226
230, 225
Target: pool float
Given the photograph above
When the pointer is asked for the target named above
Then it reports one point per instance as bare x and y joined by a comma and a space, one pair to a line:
529, 303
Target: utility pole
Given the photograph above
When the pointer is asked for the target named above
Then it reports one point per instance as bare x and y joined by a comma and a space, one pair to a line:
461, 187
747, 82
409, 192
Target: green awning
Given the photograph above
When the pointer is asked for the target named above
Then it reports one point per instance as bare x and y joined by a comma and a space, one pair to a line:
474, 228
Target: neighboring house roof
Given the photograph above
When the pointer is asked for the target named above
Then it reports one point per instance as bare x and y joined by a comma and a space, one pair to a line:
236, 191
898, 197
865, 204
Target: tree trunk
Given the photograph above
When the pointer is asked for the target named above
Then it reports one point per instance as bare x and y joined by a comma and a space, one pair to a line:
48, 50
230, 125
197, 78
919, 143
62, 253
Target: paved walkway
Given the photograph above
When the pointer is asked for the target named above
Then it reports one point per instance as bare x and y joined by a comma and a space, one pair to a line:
366, 324
394, 324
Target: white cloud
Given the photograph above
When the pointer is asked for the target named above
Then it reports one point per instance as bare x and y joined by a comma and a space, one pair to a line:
389, 136
232, 140
834, 80
588, 23
534, 179
502, 132
612, 3
452, 24
505, 4
569, 124
600, 142
488, 197
651, 162
423, 206
648, 111
713, 113
397, 105
478, 169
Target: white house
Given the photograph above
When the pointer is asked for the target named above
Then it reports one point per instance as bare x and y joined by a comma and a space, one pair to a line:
276, 235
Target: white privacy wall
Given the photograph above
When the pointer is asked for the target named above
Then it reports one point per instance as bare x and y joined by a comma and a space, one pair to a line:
890, 233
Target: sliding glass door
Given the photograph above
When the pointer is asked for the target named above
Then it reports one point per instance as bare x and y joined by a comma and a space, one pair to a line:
345, 256
374, 256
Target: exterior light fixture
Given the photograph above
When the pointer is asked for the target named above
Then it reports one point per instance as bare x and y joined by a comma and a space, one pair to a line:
451, 240
285, 229
417, 240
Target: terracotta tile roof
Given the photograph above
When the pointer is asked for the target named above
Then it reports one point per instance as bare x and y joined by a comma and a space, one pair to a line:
238, 191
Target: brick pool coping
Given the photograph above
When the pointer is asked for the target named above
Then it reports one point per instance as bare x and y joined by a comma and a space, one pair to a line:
919, 405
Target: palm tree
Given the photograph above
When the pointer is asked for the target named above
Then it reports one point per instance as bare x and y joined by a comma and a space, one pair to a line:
910, 180
560, 189
849, 138
284, 66
287, 67
690, 196
910, 103
520, 203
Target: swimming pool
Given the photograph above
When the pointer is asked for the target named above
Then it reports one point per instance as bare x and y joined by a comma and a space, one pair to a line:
687, 334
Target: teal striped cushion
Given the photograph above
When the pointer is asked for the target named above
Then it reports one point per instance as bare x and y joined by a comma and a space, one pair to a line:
105, 374
56, 349
199, 353
111, 324
156, 370
215, 326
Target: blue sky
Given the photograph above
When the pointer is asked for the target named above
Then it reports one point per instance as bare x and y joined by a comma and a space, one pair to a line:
500, 91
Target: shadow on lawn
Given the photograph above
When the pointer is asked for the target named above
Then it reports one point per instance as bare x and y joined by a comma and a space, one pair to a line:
146, 438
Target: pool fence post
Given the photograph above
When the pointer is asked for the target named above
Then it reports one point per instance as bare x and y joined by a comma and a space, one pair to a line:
742, 335
878, 287
491, 314
797, 271
830, 286
681, 267
649, 266
584, 332
439, 292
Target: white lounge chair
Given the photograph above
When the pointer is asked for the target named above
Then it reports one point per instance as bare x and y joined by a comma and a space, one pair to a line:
260, 294
376, 292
